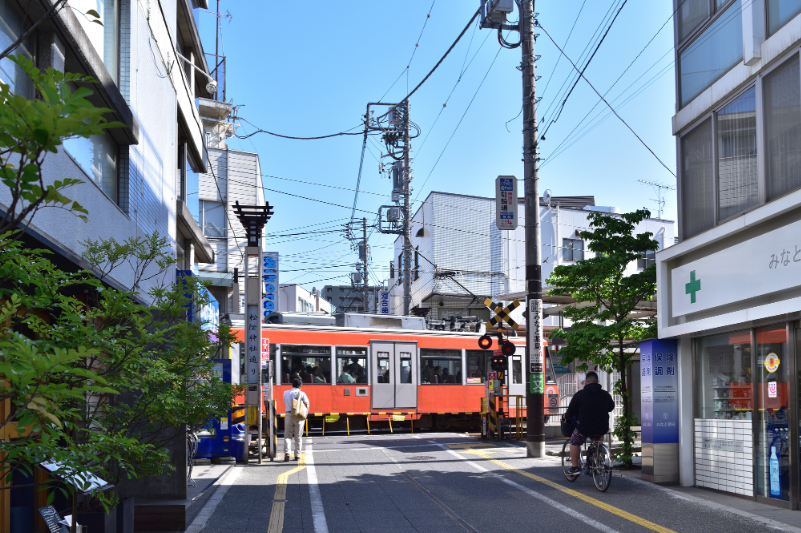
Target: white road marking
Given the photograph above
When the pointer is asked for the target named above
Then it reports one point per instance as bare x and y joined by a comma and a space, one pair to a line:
318, 513
534, 494
223, 484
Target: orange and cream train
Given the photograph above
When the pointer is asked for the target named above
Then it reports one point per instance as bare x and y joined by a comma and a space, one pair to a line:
354, 376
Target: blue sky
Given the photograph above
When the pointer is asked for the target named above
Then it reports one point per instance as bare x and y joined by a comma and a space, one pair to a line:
308, 69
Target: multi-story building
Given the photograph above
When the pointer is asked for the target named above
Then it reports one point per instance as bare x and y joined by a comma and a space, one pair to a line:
150, 67
460, 257
293, 298
233, 176
348, 298
728, 292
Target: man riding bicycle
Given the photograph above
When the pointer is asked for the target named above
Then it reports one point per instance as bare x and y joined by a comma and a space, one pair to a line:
590, 407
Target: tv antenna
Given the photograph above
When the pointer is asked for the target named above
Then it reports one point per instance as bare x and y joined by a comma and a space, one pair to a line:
659, 189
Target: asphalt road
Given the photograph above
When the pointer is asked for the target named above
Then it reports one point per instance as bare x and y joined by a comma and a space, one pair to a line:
446, 483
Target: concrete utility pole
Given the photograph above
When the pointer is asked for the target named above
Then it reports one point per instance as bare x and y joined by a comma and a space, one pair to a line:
364, 280
535, 430
407, 208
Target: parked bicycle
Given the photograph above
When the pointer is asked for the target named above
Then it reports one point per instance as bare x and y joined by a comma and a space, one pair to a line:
192, 441
594, 460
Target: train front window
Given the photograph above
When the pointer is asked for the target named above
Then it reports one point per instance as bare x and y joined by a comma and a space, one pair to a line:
478, 361
311, 364
351, 365
441, 367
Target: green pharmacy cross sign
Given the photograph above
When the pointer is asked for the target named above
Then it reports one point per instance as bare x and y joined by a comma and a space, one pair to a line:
692, 287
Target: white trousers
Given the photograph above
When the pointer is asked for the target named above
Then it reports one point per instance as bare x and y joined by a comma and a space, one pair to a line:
293, 430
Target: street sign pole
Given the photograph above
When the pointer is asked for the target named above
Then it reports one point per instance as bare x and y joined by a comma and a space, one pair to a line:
253, 219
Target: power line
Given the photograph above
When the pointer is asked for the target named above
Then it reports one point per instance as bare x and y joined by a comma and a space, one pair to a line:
448, 51
259, 130
583, 69
537, 23
559, 58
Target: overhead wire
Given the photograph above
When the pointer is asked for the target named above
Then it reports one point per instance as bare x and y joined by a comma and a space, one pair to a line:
607, 103
551, 76
581, 72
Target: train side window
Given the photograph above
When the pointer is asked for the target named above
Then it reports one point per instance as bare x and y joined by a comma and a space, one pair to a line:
383, 368
517, 369
477, 364
351, 365
311, 364
441, 367
405, 367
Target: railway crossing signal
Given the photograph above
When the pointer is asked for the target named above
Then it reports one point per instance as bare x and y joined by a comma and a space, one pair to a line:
502, 314
499, 361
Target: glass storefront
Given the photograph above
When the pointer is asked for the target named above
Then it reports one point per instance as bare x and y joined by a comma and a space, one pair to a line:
744, 399
771, 440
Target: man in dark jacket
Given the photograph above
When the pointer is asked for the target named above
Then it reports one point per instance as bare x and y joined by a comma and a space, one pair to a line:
591, 407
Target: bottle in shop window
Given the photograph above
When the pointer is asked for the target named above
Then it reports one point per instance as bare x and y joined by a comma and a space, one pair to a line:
775, 486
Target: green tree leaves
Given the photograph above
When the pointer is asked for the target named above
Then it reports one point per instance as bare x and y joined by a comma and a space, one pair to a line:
607, 291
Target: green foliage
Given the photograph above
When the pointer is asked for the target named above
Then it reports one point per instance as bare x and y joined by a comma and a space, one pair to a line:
32, 129
99, 381
607, 292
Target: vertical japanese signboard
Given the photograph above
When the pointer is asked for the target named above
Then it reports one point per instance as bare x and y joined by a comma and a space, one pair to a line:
383, 304
506, 202
659, 384
252, 348
269, 276
534, 327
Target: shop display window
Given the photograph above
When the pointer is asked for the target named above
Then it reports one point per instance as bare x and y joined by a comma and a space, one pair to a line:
723, 381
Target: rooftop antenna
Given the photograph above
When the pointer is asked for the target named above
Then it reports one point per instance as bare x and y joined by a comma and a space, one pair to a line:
659, 189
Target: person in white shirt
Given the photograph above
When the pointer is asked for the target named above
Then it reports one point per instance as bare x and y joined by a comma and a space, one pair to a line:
293, 429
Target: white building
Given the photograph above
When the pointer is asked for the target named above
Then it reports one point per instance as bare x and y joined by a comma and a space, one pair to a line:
295, 299
136, 180
233, 176
457, 233
728, 292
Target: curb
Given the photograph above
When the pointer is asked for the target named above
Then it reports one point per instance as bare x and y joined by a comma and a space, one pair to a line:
223, 483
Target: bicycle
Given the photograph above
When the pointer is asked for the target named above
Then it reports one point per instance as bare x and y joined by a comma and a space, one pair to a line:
598, 463
192, 441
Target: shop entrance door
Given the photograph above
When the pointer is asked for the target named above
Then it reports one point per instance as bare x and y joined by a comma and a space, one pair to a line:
393, 375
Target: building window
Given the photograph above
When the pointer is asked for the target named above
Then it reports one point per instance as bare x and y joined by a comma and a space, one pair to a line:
351, 365
212, 219
782, 99
105, 38
723, 377
690, 15
696, 180
646, 259
441, 367
311, 364
97, 156
417, 262
391, 269
400, 267
572, 250
12, 25
716, 50
780, 12
737, 156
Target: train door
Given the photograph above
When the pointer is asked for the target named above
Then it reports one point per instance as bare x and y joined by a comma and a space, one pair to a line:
393, 375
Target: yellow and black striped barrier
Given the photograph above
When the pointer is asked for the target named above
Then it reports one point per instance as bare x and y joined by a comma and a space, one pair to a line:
375, 416
492, 418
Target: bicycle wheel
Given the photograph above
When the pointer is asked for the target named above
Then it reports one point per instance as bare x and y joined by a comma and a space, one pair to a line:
566, 464
602, 468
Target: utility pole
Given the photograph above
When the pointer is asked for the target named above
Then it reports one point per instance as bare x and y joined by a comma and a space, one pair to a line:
407, 208
493, 15
364, 279
535, 425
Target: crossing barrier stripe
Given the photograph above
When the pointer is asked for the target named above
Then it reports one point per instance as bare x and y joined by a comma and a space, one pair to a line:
597, 503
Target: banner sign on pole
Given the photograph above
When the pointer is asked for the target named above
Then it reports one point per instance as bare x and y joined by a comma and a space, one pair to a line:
383, 304
506, 202
269, 275
534, 328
